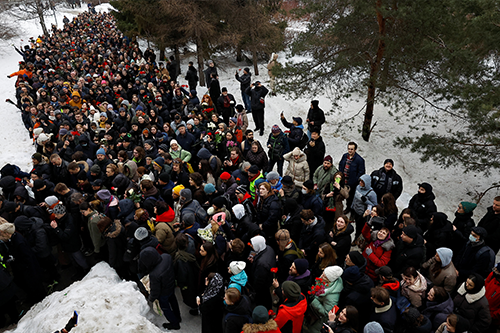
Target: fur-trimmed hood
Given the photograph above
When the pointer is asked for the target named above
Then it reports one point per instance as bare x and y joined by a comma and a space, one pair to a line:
256, 328
471, 298
387, 246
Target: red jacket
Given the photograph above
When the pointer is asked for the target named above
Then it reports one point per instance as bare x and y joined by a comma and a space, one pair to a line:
379, 257
168, 216
291, 316
492, 286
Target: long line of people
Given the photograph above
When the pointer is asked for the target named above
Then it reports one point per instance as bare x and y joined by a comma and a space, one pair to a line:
133, 169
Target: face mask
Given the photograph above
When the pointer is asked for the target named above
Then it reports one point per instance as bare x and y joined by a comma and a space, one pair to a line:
182, 201
472, 239
304, 191
52, 118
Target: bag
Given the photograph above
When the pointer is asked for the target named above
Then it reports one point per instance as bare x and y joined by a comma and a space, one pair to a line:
482, 250
361, 242
218, 167
402, 303
299, 254
303, 140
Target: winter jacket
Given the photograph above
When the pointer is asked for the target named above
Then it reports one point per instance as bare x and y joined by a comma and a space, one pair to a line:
313, 202
365, 197
492, 285
474, 307
318, 116
380, 256
386, 182
95, 234
463, 223
311, 237
256, 94
160, 270
186, 274
437, 313
405, 255
295, 135
357, 293
415, 292
386, 316
356, 169
244, 81
423, 206
322, 178
68, 234
164, 232
259, 158
324, 303
468, 261
491, 222
34, 233
343, 242
279, 146
186, 141
447, 276
183, 154
116, 243
439, 234
269, 212
290, 315
261, 274
297, 169
237, 315
315, 154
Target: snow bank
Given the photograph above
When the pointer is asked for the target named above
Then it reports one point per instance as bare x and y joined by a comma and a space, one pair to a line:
105, 303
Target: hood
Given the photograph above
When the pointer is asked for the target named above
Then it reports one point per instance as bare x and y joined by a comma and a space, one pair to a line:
295, 309
439, 220
8, 182
368, 182
445, 254
120, 181
204, 154
258, 243
149, 259
239, 211
132, 167
241, 278
22, 192
76, 93
269, 326
126, 207
23, 223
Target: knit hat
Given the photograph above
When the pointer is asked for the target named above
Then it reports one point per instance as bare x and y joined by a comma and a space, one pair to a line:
309, 184
315, 103
253, 169
328, 158
190, 122
38, 184
233, 119
37, 156
296, 151
97, 182
357, 258
352, 274
411, 231
288, 181
51, 200
164, 177
163, 147
209, 188
332, 273
95, 169
258, 182
173, 141
468, 206
291, 289
480, 231
101, 151
59, 209
177, 189
104, 195
301, 265
246, 69
275, 129
103, 114
225, 175
426, 186
9, 228
141, 233
298, 120
445, 255
273, 175
237, 267
389, 161
260, 315
219, 202
385, 271
159, 161
186, 194
242, 189
224, 89
373, 327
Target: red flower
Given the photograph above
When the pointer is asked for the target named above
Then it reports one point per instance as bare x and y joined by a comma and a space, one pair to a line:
249, 244
271, 312
274, 270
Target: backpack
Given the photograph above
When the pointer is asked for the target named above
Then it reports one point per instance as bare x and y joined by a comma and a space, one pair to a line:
303, 140
218, 167
482, 250
299, 254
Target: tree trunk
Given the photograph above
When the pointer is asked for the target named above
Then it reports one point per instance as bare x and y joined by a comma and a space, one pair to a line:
177, 59
39, 11
255, 65
239, 54
374, 70
199, 56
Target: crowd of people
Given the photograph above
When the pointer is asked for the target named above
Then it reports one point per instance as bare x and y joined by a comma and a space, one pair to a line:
133, 169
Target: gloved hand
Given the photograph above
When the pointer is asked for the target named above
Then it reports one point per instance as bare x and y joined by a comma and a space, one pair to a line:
368, 251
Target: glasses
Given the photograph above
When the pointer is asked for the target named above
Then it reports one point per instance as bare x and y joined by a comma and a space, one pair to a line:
177, 162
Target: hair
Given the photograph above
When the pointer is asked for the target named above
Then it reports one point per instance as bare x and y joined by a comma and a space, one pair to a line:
123, 154
147, 184
233, 295
141, 152
352, 143
410, 271
380, 294
268, 187
78, 156
104, 223
197, 178
180, 162
211, 258
440, 294
282, 237
352, 316
409, 221
73, 166
453, 319
139, 212
205, 169
496, 198
60, 187
248, 131
53, 157
416, 322
380, 210
182, 241
237, 246
161, 207
113, 168
77, 197
330, 256
141, 171
307, 214
389, 203
84, 206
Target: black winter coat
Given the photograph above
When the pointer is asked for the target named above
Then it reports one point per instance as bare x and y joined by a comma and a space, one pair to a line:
261, 274
269, 212
68, 235
160, 270
315, 154
237, 315
34, 233
491, 222
318, 116
439, 234
467, 261
311, 238
255, 95
295, 135
386, 182
405, 255
423, 206
343, 241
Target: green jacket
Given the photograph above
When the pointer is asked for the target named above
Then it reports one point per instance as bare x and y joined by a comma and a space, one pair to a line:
96, 236
184, 155
322, 178
252, 186
325, 303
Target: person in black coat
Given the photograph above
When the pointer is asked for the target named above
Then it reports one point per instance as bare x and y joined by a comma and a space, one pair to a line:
340, 237
209, 71
315, 151
409, 251
214, 88
292, 221
356, 290
172, 68
8, 291
238, 311
257, 95
311, 235
470, 259
211, 304
386, 180
261, 276
162, 283
491, 223
296, 131
114, 234
462, 225
192, 76
439, 234
315, 118
225, 105
352, 171
244, 84
423, 205
268, 211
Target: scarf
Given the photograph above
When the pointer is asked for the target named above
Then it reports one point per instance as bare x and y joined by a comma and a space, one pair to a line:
239, 121
379, 242
213, 287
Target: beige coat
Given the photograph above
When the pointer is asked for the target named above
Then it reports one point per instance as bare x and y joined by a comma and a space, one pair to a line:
297, 169
447, 278
165, 236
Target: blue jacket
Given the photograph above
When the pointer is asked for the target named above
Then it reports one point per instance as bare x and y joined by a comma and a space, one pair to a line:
186, 141
239, 280
356, 170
